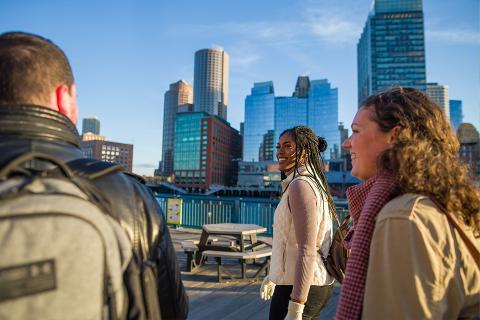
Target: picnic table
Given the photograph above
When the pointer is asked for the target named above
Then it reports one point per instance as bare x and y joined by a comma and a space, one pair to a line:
242, 243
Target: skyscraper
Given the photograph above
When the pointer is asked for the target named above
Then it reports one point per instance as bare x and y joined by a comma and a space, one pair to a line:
314, 104
391, 49
177, 99
265, 152
91, 124
210, 83
302, 87
456, 113
323, 115
259, 118
439, 94
289, 112
207, 150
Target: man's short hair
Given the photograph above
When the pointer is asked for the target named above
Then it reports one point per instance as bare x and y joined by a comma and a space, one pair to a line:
30, 68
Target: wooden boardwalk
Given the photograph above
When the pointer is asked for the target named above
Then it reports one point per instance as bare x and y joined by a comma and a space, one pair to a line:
232, 300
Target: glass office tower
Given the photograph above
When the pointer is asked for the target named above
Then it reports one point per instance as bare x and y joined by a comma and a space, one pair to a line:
391, 49
456, 113
188, 128
259, 118
314, 104
289, 112
323, 115
207, 151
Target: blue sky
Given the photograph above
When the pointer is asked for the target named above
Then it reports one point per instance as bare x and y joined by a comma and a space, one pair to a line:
126, 53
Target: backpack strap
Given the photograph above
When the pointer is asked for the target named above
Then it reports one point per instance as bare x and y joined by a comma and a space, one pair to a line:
15, 165
93, 169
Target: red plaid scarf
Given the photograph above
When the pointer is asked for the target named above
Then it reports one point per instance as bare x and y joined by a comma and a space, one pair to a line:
365, 202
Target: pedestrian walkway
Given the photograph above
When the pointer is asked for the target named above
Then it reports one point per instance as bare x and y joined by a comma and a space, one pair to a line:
231, 300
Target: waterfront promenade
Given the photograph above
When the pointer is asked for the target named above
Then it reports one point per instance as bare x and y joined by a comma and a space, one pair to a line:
232, 300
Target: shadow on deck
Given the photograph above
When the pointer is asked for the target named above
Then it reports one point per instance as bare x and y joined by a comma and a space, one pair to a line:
231, 300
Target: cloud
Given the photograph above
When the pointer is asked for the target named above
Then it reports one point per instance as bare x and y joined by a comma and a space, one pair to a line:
245, 60
332, 26
467, 37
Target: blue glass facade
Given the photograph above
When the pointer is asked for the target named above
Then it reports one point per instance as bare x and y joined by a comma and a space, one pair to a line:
323, 115
259, 118
456, 113
289, 112
391, 49
188, 131
314, 104
390, 6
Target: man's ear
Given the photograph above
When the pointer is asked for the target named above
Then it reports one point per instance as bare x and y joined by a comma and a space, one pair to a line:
66, 100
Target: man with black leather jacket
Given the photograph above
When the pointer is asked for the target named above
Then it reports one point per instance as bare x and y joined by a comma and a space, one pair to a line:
38, 112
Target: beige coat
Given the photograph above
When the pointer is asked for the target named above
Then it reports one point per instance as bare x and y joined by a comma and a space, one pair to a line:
419, 267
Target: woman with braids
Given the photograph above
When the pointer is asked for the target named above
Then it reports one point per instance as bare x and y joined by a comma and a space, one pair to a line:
416, 215
298, 282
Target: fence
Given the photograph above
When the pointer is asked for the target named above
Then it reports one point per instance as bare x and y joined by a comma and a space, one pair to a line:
200, 210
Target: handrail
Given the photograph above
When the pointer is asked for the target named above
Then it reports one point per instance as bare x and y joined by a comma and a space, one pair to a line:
200, 210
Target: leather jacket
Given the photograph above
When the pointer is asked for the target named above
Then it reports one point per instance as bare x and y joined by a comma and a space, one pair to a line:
25, 128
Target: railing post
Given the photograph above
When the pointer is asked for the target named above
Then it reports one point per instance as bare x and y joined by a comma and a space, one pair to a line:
236, 212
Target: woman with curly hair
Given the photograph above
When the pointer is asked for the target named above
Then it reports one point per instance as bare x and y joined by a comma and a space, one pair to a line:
408, 259
298, 282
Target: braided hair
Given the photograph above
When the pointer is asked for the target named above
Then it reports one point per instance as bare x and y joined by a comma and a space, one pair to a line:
310, 147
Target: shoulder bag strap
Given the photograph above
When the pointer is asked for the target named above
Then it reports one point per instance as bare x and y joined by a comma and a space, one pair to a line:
457, 225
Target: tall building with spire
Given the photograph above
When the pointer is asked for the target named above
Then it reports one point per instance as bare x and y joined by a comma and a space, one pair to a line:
391, 49
178, 98
210, 83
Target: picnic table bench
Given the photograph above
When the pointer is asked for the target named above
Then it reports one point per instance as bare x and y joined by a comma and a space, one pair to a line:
245, 247
242, 257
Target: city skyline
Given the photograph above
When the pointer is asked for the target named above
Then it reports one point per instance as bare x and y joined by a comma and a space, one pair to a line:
124, 55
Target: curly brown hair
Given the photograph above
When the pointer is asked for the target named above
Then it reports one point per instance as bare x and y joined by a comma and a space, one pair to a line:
426, 152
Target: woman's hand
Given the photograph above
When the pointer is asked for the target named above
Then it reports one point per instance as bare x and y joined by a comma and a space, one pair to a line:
267, 288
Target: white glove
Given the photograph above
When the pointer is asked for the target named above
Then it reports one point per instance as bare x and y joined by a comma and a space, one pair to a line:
295, 311
267, 288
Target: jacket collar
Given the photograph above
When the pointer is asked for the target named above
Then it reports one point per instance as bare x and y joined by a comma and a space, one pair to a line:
295, 172
37, 122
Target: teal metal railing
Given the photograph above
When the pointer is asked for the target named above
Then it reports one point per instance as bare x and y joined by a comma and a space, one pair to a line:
200, 210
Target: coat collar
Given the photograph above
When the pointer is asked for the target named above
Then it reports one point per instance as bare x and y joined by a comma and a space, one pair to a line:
37, 122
